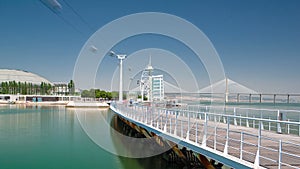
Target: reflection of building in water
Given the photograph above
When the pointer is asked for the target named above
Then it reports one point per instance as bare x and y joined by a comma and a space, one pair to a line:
151, 86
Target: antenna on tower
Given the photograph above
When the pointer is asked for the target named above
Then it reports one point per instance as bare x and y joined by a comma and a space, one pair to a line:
149, 60
149, 67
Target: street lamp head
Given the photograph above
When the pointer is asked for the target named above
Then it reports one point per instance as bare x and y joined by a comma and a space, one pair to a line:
112, 53
93, 48
121, 57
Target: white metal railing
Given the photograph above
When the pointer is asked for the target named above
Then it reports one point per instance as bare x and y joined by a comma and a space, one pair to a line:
264, 113
253, 139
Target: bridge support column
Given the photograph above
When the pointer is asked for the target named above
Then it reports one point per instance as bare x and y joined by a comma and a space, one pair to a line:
260, 98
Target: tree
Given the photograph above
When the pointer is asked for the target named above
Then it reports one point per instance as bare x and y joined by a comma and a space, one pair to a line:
109, 95
88, 93
71, 87
97, 93
4, 88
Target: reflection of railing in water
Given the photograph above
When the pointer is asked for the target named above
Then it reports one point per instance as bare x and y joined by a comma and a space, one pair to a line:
253, 139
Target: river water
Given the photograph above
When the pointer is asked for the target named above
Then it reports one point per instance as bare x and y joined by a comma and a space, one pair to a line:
51, 137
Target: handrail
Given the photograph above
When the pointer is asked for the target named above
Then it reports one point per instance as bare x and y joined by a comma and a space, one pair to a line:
185, 123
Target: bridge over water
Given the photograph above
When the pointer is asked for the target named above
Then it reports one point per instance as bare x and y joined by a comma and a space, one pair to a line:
236, 137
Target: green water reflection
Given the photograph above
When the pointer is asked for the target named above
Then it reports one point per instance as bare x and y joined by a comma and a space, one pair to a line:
51, 137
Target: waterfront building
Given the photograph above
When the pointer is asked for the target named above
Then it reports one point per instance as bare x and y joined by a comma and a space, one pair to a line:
18, 86
157, 88
61, 88
9, 75
151, 86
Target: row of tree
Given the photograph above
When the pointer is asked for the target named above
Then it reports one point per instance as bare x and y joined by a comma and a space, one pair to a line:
13, 87
101, 94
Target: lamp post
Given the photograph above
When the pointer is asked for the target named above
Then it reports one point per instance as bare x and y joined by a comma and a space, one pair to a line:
121, 58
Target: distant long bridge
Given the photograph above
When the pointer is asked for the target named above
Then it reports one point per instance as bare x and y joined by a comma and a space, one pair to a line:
236, 137
251, 97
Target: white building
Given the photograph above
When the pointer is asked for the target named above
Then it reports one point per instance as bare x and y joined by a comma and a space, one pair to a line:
151, 86
7, 75
158, 88
61, 88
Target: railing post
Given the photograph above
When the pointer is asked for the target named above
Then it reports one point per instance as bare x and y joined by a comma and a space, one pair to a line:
188, 130
257, 158
261, 122
241, 147
215, 137
166, 121
165, 127
205, 130
269, 124
200, 117
175, 130
170, 125
299, 129
161, 122
146, 114
181, 128
288, 126
279, 154
196, 137
215, 118
234, 119
151, 118
278, 124
227, 136
247, 120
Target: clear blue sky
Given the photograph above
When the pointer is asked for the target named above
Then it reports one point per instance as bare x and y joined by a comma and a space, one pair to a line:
258, 41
